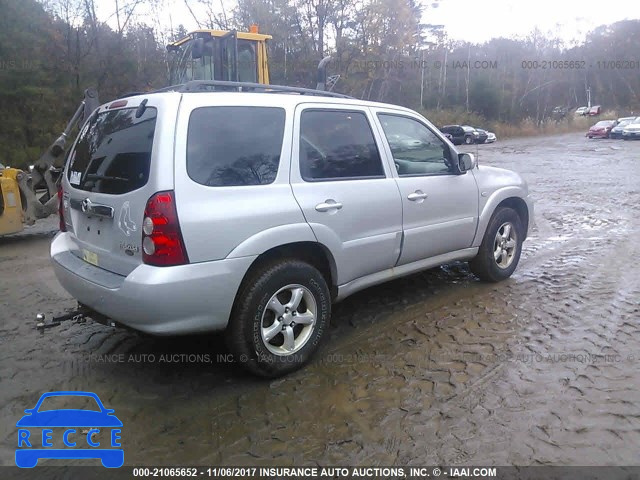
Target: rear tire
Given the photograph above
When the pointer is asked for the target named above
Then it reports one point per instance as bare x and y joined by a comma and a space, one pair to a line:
468, 140
501, 247
279, 318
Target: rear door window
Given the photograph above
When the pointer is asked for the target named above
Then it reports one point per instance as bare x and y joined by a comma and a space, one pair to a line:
231, 146
337, 144
113, 152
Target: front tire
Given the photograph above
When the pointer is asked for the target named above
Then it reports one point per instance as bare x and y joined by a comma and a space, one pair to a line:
279, 318
501, 247
468, 140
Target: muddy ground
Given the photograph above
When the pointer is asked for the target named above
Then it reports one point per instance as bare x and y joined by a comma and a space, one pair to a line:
436, 368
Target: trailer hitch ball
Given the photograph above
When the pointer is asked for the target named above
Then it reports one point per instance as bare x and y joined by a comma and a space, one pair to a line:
77, 316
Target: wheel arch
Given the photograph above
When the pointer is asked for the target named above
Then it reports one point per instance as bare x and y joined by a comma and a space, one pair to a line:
520, 206
507, 197
314, 253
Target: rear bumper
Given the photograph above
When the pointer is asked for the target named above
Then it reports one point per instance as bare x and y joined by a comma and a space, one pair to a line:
157, 300
631, 135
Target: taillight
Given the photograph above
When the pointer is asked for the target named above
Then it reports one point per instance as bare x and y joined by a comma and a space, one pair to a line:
162, 243
63, 225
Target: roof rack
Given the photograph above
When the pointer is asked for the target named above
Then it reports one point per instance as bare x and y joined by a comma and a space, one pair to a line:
214, 85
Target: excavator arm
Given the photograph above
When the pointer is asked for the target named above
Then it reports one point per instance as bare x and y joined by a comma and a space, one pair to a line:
51, 162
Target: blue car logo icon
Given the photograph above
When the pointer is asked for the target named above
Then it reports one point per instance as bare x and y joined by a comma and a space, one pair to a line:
75, 428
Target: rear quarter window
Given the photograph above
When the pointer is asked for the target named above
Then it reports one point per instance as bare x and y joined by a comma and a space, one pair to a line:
232, 146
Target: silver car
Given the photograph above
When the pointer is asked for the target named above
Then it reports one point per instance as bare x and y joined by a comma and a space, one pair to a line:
252, 212
632, 130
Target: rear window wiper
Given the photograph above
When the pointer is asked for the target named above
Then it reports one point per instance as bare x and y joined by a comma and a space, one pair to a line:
95, 176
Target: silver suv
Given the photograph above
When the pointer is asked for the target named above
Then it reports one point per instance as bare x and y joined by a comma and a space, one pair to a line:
252, 212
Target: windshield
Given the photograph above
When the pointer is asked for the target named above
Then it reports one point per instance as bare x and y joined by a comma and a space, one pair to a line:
113, 153
221, 59
184, 68
69, 402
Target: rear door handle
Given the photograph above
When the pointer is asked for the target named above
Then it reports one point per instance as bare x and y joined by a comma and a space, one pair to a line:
328, 205
417, 196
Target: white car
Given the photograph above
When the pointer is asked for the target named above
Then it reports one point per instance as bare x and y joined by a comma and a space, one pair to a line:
491, 137
632, 131
582, 111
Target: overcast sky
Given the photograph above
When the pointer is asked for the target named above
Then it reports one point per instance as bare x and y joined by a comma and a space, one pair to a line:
469, 20
478, 21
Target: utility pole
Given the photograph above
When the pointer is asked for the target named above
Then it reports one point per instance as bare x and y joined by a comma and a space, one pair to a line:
422, 81
468, 75
589, 96
444, 76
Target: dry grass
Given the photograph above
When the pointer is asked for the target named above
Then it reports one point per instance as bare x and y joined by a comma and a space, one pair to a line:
526, 128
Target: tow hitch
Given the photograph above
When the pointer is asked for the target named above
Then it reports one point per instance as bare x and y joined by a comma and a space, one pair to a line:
79, 315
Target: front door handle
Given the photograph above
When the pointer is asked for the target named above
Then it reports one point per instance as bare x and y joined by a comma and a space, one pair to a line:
328, 205
417, 196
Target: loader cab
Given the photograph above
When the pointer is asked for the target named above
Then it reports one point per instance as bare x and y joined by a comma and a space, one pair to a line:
219, 55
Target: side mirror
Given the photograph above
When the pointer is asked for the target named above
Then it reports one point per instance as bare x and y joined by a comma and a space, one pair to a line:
466, 161
198, 48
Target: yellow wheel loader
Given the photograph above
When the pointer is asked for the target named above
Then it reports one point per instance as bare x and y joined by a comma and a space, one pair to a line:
31, 195
220, 55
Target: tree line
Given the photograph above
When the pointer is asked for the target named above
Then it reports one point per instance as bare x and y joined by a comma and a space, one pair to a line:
51, 50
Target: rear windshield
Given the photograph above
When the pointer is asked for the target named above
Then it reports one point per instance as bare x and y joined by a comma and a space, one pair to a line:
229, 146
113, 152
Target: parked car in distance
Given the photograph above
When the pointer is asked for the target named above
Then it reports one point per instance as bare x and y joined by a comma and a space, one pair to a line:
601, 129
253, 212
457, 133
559, 112
594, 111
582, 111
632, 130
491, 137
473, 136
616, 132
482, 135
